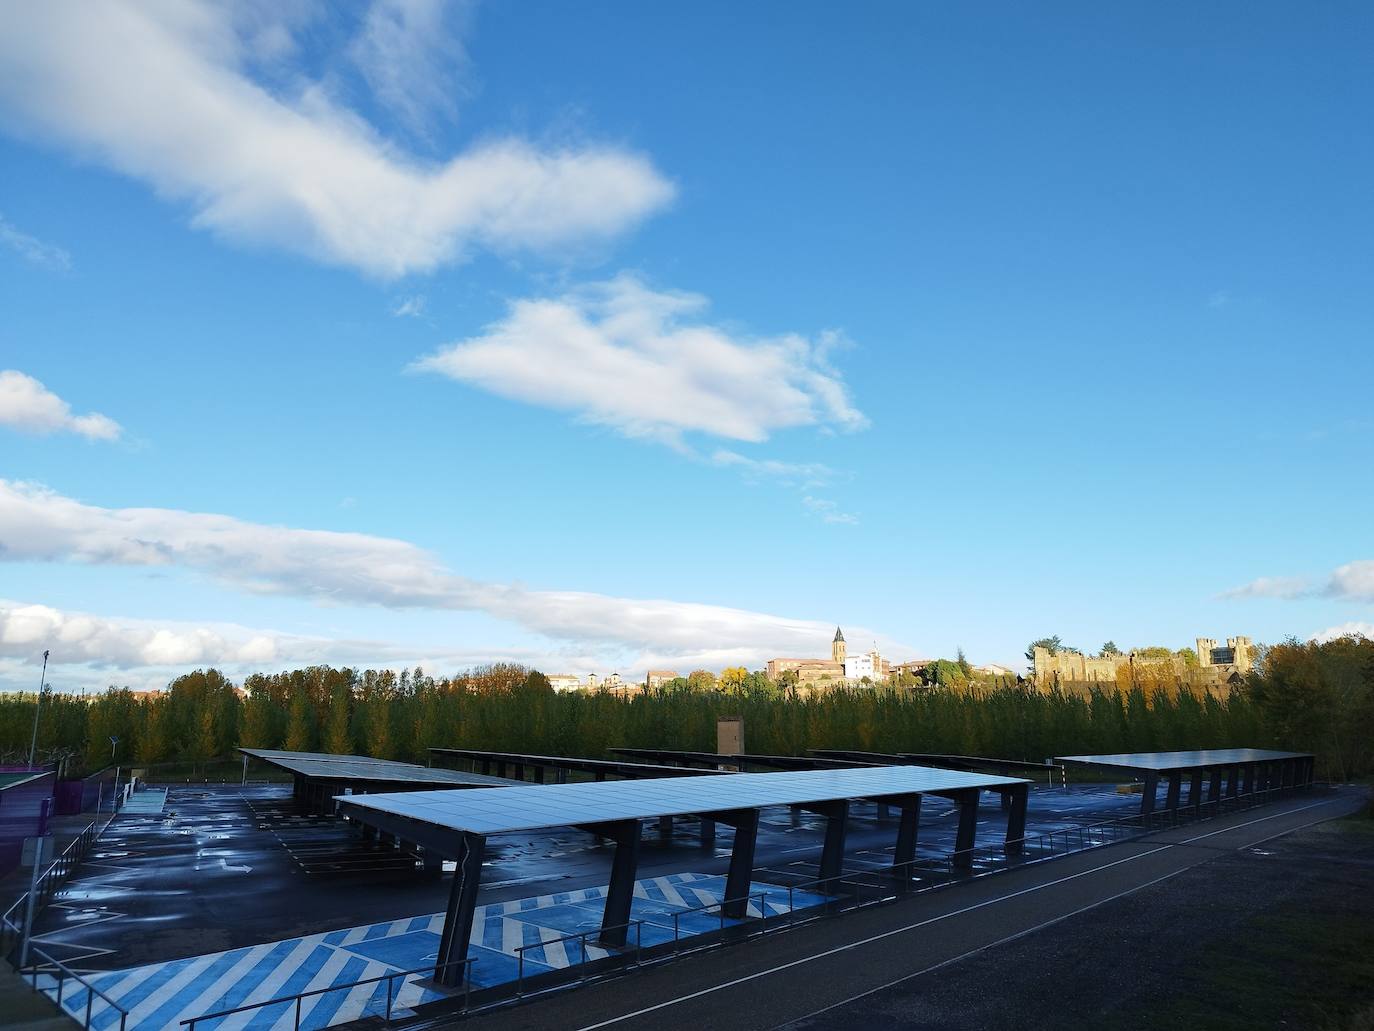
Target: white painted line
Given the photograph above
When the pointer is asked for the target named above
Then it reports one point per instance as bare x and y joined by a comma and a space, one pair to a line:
932, 920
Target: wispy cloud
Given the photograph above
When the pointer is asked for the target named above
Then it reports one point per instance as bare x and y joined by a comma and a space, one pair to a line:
163, 93
784, 473
829, 511
34, 250
28, 406
410, 307
642, 361
1272, 587
37, 524
411, 54
1218, 299
1353, 581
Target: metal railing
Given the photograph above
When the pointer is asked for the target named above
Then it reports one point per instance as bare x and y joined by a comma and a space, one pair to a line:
581, 938
55, 968
297, 999
48, 883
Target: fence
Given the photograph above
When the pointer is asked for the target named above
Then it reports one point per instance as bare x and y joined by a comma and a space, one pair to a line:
297, 999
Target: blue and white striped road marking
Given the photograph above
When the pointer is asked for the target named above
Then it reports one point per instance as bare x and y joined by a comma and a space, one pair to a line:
160, 995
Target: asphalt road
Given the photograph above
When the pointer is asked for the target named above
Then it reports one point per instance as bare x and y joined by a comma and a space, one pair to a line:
824, 974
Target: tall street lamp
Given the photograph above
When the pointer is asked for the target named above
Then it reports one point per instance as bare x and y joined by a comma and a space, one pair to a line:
42, 681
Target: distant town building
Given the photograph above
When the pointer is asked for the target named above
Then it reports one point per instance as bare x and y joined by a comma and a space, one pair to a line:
1237, 657
593, 681
659, 677
564, 681
840, 667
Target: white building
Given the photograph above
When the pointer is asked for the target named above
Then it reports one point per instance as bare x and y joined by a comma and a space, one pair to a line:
564, 681
856, 667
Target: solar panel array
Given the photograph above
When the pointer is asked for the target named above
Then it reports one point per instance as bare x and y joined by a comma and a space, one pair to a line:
356, 768
559, 805
1158, 761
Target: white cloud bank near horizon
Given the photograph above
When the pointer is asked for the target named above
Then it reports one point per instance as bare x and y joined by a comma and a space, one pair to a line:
28, 406
163, 93
353, 569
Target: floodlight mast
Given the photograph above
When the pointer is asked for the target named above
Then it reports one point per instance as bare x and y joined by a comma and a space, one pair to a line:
42, 681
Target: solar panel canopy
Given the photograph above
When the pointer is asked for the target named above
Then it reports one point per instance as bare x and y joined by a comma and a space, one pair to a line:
1158, 761
559, 805
361, 768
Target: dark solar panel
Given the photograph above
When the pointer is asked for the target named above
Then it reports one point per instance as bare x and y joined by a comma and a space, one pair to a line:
558, 805
1181, 760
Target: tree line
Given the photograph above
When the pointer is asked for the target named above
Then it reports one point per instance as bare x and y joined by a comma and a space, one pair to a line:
1315, 697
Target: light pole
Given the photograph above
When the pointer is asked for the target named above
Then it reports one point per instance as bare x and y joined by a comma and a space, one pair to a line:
42, 681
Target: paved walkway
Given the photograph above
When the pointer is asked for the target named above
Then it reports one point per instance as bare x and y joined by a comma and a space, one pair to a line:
160, 995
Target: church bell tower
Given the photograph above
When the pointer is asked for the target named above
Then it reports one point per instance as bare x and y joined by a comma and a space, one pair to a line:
837, 647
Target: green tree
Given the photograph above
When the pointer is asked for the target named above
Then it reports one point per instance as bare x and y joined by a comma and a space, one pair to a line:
701, 680
961, 660
338, 733
300, 729
1108, 650
732, 678
1052, 644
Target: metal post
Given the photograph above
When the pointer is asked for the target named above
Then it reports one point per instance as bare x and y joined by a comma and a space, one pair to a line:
1248, 779
620, 894
962, 859
1175, 786
462, 901
708, 833
1147, 793
738, 879
1195, 789
1016, 819
37, 708
836, 827
32, 902
1214, 786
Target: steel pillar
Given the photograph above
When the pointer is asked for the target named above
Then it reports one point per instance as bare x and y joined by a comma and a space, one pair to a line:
1247, 786
519, 771
908, 826
562, 776
462, 901
1175, 788
968, 827
741, 874
1016, 818
1195, 789
665, 827
615, 920
539, 775
708, 833
1233, 782
1214, 786
1147, 793
836, 827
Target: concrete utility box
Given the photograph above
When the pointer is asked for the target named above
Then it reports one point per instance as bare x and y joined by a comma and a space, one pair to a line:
730, 735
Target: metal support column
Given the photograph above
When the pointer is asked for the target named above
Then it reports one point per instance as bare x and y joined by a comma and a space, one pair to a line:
1016, 819
1233, 782
968, 827
1175, 787
625, 834
1214, 786
708, 833
836, 827
462, 902
1195, 789
1147, 793
741, 874
539, 775
1247, 785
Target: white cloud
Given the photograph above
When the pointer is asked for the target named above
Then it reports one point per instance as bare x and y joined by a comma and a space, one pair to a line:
411, 54
162, 92
1353, 581
37, 524
34, 250
1272, 587
829, 511
410, 307
623, 355
1354, 629
810, 473
28, 406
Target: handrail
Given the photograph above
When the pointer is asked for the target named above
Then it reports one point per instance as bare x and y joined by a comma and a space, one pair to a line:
48, 881
92, 990
581, 937
466, 964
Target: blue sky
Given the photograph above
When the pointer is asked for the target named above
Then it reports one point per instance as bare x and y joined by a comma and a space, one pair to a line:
621, 335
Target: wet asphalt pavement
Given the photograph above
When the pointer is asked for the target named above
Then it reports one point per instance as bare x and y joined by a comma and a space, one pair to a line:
226, 866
